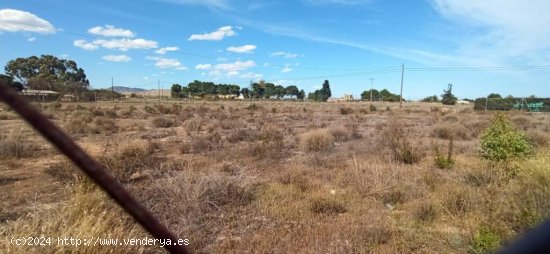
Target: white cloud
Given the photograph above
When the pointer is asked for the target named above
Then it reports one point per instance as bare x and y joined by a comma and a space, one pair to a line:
284, 54
15, 21
504, 31
163, 51
165, 63
242, 49
146, 78
111, 31
252, 75
120, 44
125, 44
231, 69
85, 45
286, 69
203, 66
31, 39
117, 58
217, 35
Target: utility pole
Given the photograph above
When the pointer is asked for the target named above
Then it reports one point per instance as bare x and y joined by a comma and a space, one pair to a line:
371, 80
112, 89
401, 94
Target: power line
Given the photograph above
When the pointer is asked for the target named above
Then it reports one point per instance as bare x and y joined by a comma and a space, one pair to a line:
348, 74
494, 68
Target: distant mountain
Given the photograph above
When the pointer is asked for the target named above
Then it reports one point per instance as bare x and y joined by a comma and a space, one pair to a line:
124, 89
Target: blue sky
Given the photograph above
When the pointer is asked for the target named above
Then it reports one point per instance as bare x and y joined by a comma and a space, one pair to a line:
301, 42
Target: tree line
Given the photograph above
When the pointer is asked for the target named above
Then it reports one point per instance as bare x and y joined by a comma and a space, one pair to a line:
383, 95
257, 90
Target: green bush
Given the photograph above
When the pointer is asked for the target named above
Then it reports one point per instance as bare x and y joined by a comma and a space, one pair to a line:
443, 161
485, 241
502, 141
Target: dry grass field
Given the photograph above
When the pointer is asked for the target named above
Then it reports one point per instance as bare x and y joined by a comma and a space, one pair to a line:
275, 177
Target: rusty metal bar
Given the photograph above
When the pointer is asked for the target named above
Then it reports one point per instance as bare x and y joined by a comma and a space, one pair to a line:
93, 169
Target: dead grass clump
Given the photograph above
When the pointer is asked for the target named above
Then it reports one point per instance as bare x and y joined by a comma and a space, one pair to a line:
477, 127
522, 122
15, 146
79, 123
129, 158
269, 143
327, 206
538, 138
201, 193
398, 139
458, 201
253, 106
448, 131
85, 214
298, 179
340, 134
450, 119
237, 135
150, 110
426, 212
163, 122
111, 112
104, 125
66, 172
193, 125
317, 140
218, 192
346, 110
480, 177
128, 111
201, 145
97, 111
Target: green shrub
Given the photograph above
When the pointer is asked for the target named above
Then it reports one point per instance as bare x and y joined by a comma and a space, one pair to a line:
443, 161
485, 241
502, 141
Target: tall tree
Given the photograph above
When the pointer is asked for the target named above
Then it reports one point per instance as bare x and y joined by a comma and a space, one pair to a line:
432, 98
366, 95
301, 95
325, 91
47, 72
176, 91
447, 98
292, 91
280, 91
245, 92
